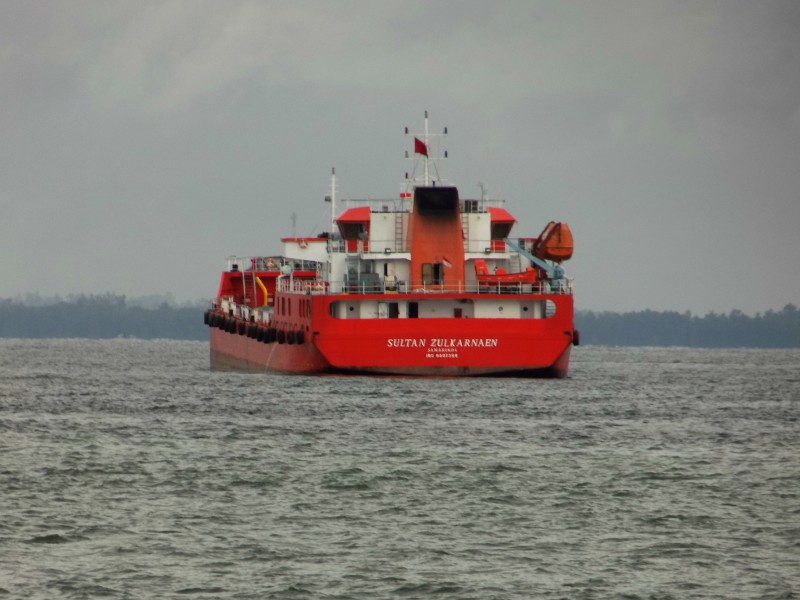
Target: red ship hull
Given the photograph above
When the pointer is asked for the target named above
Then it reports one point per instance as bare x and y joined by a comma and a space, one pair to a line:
441, 347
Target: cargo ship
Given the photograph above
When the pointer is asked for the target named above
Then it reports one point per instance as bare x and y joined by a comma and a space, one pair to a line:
423, 284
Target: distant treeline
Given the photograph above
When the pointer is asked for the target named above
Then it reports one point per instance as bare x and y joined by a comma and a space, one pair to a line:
111, 315
103, 316
649, 328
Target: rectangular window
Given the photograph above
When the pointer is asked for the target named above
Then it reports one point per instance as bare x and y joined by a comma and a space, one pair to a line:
427, 273
394, 310
413, 310
438, 273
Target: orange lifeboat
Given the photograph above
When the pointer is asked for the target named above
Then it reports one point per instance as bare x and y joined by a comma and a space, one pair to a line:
501, 277
554, 243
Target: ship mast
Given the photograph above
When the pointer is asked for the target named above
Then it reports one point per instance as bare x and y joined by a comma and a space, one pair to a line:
427, 145
422, 147
331, 197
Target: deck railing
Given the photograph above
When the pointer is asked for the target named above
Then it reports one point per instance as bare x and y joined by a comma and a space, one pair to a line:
269, 263
286, 284
307, 286
398, 246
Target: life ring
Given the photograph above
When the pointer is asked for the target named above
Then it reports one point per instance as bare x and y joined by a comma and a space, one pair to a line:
270, 263
303, 243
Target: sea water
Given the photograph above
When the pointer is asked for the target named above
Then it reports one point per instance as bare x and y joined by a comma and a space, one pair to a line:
129, 469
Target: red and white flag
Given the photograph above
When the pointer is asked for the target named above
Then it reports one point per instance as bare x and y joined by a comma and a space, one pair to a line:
446, 262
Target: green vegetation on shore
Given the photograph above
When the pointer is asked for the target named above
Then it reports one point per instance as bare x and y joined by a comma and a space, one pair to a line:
111, 315
772, 329
101, 316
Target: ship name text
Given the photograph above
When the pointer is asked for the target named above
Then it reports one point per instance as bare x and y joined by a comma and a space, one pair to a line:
441, 343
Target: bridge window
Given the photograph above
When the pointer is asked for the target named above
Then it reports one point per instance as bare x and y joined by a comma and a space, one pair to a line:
353, 231
500, 231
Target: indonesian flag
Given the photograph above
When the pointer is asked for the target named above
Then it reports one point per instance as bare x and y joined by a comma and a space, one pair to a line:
420, 147
446, 262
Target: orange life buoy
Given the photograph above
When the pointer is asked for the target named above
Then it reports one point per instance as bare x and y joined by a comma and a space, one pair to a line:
303, 243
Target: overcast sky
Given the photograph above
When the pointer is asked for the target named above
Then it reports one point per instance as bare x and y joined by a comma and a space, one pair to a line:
142, 142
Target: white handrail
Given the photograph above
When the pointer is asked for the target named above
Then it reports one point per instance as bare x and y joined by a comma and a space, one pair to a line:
318, 287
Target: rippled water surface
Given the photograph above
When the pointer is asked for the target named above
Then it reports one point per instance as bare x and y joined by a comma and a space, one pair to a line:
128, 469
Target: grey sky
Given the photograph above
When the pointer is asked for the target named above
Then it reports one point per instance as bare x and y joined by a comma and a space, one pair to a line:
143, 142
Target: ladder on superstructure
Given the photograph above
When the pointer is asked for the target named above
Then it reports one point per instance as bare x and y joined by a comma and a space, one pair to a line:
465, 230
399, 245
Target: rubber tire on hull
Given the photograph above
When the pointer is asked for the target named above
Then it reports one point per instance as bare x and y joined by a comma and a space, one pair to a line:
299, 337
